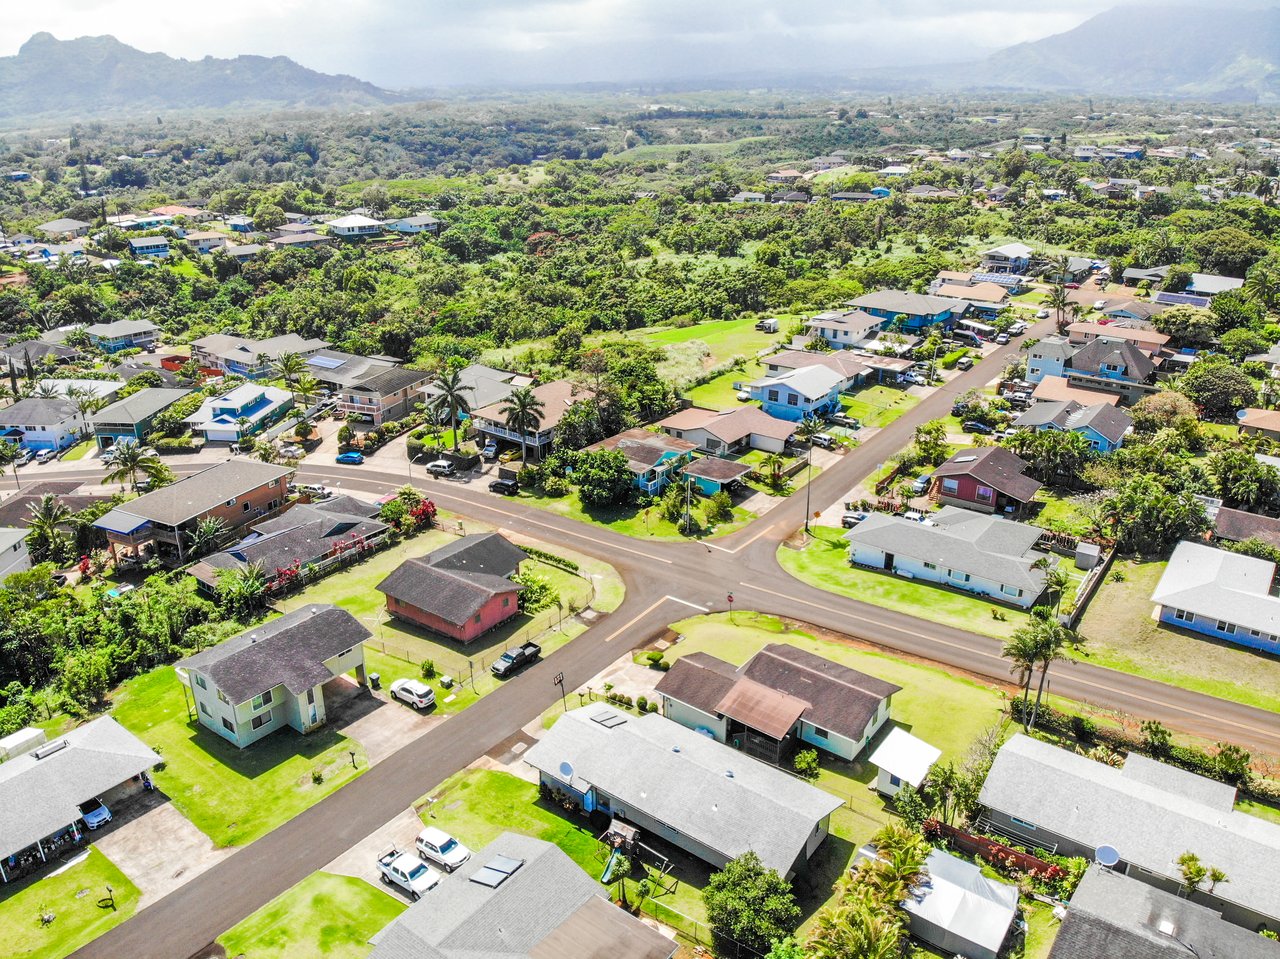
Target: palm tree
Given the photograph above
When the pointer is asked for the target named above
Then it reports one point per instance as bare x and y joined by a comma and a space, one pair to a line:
1216, 876
1056, 582
307, 386
129, 461
242, 589
771, 466
45, 390
1023, 650
523, 411
48, 515
853, 927
9, 453
206, 535
1262, 286
452, 398
290, 366
809, 427
85, 402
1058, 300
1053, 638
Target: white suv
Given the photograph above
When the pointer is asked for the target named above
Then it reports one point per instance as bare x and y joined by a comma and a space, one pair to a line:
414, 692
438, 846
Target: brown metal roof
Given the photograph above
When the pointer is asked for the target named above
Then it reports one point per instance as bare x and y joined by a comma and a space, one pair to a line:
753, 704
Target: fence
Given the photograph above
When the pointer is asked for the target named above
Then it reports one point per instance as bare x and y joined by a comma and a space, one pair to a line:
990, 850
1092, 580
885, 483
697, 933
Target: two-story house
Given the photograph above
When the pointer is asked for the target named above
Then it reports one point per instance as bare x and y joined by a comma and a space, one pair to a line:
157, 246
799, 393
917, 309
248, 357
206, 241
122, 335
14, 557
1115, 366
556, 397
1010, 258
989, 479
843, 329
41, 424
1049, 357
246, 410
273, 675
852, 369
383, 394
132, 418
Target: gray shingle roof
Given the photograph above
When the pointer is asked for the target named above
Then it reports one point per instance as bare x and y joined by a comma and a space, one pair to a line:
1104, 419
290, 650
121, 328
1093, 355
138, 407
455, 581
39, 796
36, 411
1219, 584
683, 779
993, 466
1149, 823
197, 494
304, 534
915, 304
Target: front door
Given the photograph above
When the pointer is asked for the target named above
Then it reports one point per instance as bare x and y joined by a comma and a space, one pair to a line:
888, 561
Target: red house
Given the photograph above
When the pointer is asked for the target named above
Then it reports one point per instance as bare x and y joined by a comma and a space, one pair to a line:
462, 590
988, 479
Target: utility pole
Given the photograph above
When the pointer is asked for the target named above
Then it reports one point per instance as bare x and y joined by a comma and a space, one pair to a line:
808, 485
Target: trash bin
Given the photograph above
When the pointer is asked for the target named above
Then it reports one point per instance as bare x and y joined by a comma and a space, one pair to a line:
375, 681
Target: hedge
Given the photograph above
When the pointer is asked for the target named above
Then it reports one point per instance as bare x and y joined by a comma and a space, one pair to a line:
949, 361
551, 558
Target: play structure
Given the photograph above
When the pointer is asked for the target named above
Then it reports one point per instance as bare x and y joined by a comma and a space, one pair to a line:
623, 839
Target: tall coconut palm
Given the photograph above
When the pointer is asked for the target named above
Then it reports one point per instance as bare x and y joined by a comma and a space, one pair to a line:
85, 402
1058, 300
48, 540
1262, 286
1023, 650
129, 461
45, 390
1053, 640
809, 427
290, 366
307, 386
452, 396
523, 412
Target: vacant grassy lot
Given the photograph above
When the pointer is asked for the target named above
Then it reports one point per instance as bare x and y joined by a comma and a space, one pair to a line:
1121, 634
719, 393
632, 520
232, 795
74, 897
878, 405
324, 915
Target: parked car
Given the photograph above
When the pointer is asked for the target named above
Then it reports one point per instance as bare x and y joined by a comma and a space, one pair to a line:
851, 422
46, 456
824, 440
510, 455
507, 487
1002, 338
350, 458
490, 451
1099, 304
1042, 314
95, 813
921, 483
438, 846
964, 363
143, 486
852, 518
292, 451
982, 429
441, 468
314, 490
744, 395
514, 660
1017, 327
414, 692
408, 872
914, 515
1071, 286
24, 457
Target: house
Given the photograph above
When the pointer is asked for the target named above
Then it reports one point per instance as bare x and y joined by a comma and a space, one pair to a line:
712, 474
852, 197
412, 225
983, 295
66, 388
1010, 258
14, 557
15, 510
462, 590
729, 433
1112, 365
1135, 275
133, 417
902, 759
483, 386
298, 241
1140, 311
822, 164
556, 397
1057, 389
129, 369
783, 176
63, 227
1237, 525
781, 700
248, 357
789, 196
654, 458
1147, 340
273, 675
988, 479
41, 424
985, 555
745, 196
336, 370
519, 898
243, 252
893, 171
240, 224
1149, 812
246, 410
383, 394
157, 246
956, 909
1258, 422
33, 353
851, 369
1220, 594
684, 788
1102, 424
920, 310
927, 191
1209, 284
304, 535
354, 226
176, 210
799, 393
842, 329
123, 335
238, 491
1112, 916
41, 790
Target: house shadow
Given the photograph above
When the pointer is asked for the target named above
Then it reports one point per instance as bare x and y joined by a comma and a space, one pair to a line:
829, 864
266, 754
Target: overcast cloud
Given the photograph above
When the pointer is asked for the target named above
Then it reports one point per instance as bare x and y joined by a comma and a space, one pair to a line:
406, 43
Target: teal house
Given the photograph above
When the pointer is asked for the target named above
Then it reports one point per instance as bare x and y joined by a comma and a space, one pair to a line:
133, 417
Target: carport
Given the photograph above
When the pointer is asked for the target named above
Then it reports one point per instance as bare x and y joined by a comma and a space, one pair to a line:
41, 791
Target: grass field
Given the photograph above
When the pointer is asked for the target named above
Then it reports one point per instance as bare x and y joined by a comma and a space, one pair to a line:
667, 152
719, 393
79, 451
631, 520
1120, 634
76, 897
1061, 513
324, 915
232, 795
878, 405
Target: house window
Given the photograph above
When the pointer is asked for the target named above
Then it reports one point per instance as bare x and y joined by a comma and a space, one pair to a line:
311, 697
894, 780
1225, 627
1010, 590
958, 576
821, 733
232, 501
205, 709
793, 400
950, 486
477, 619
506, 601
930, 565
773, 396
263, 700
1182, 616
246, 507
259, 721
222, 698
1255, 633
1023, 823
228, 725
200, 681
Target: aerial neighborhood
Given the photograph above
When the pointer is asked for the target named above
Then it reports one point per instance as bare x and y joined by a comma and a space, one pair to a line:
642, 533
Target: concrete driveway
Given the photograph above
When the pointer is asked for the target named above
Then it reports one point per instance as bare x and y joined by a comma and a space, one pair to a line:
378, 723
361, 860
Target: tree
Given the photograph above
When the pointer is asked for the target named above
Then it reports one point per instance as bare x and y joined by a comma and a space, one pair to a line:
1241, 479
1217, 387
750, 904
1194, 872
1143, 517
523, 413
1058, 300
206, 536
719, 508
604, 478
1022, 650
289, 366
9, 452
931, 441
268, 217
1262, 286
809, 427
852, 928
1053, 639
85, 679
85, 401
451, 397
1162, 410
47, 540
1187, 324
130, 460
242, 590
307, 386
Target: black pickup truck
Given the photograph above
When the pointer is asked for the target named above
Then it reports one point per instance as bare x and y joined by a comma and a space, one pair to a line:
514, 660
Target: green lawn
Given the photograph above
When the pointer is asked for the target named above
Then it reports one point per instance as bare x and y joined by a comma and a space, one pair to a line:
76, 897
1120, 634
232, 795
324, 915
80, 450
631, 520
1061, 513
878, 405
825, 564
719, 393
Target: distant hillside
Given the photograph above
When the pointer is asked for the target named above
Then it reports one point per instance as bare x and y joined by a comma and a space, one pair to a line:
93, 75
1222, 54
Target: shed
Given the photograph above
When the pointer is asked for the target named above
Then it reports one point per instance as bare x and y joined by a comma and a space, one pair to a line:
902, 759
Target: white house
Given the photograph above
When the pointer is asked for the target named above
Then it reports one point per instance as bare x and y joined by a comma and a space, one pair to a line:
1010, 258
422, 223
14, 557
843, 329
123, 335
41, 424
1220, 594
355, 225
902, 760
206, 241
727, 433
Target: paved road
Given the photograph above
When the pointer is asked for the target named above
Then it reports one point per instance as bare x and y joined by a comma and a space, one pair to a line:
665, 581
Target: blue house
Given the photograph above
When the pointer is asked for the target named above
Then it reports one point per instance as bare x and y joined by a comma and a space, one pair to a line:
1102, 424
653, 458
799, 393
157, 246
1220, 594
920, 310
240, 224
122, 335
1049, 357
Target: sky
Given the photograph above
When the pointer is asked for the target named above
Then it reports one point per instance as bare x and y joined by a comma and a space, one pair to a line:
421, 43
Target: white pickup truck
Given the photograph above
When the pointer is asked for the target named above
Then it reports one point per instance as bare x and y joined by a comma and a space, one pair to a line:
406, 870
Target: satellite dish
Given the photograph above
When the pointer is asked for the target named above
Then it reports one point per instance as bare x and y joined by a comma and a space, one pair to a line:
566, 771
1106, 856
1241, 414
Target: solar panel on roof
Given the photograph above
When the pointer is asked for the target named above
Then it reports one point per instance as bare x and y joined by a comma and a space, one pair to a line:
609, 720
1002, 279
1180, 299
489, 877
325, 362
504, 864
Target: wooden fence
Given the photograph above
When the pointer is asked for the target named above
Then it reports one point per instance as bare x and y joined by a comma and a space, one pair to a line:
989, 849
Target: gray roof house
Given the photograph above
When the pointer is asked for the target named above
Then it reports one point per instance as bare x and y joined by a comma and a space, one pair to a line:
239, 354
519, 898
1149, 812
272, 675
1220, 594
1103, 424
1112, 916
122, 334
131, 417
63, 226
485, 385
682, 787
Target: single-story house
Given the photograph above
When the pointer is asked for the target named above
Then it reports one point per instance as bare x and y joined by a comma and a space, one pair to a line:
989, 479
799, 393
902, 759
1010, 258
14, 557
1112, 916
422, 223
1210, 284
240, 224
781, 700
36, 352
727, 433
157, 246
986, 555
852, 369
1148, 811
1148, 341
1237, 525
132, 417
957, 909
1135, 275
1132, 311
713, 474
63, 227
41, 791
654, 458
1260, 422
981, 295
746, 196
273, 675
682, 787
354, 225
1057, 389
519, 898
15, 510
783, 176
206, 241
462, 590
1104, 425
298, 241
854, 196
242, 252
556, 397
122, 335
175, 210
841, 329
1220, 594
248, 357
246, 410
920, 310
383, 394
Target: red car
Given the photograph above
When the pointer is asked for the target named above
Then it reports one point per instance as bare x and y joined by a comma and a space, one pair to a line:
1071, 286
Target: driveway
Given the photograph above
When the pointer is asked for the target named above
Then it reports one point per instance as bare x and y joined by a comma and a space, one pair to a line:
377, 723
361, 860
156, 846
